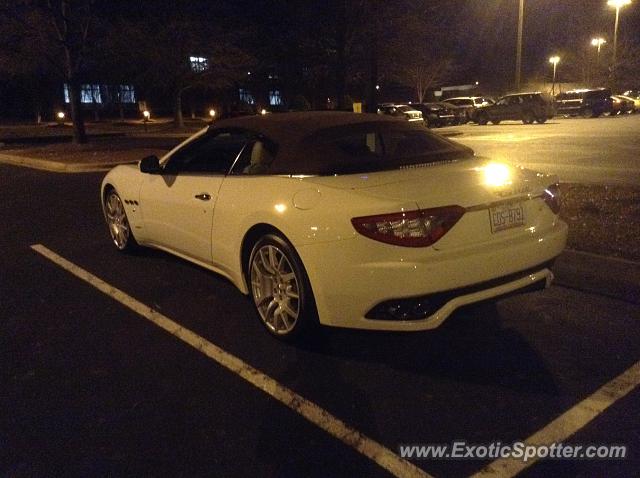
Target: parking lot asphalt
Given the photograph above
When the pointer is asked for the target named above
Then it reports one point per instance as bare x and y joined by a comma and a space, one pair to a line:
595, 150
91, 388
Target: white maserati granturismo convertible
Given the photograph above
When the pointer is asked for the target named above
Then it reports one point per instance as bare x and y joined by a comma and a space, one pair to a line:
342, 219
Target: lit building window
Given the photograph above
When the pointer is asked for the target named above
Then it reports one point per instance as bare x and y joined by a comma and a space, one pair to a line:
90, 94
274, 98
127, 94
198, 64
246, 96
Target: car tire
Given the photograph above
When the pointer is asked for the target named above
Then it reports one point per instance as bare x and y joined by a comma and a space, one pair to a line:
587, 113
482, 118
118, 223
528, 117
495, 121
541, 119
280, 289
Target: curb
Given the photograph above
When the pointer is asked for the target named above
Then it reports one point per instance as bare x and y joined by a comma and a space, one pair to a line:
58, 166
602, 275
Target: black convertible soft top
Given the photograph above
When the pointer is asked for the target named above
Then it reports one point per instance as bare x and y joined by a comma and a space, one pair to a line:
305, 141
292, 127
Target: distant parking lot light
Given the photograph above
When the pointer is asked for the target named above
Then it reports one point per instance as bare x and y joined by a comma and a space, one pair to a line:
617, 4
146, 115
377, 87
598, 42
554, 60
263, 111
60, 115
212, 113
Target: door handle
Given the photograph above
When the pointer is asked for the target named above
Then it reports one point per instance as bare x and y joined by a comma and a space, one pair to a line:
203, 196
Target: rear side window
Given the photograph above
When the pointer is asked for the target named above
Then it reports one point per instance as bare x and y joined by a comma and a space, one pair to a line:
365, 148
600, 94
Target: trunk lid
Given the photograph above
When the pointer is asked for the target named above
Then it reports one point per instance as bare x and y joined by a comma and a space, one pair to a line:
480, 186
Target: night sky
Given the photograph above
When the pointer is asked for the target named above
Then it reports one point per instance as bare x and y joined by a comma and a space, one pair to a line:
550, 27
481, 33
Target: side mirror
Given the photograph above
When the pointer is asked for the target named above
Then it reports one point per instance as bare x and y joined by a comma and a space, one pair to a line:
150, 165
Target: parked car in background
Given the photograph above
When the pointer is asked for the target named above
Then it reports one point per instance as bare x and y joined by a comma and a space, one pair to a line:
400, 111
588, 103
636, 102
621, 105
458, 112
437, 114
526, 107
470, 105
635, 94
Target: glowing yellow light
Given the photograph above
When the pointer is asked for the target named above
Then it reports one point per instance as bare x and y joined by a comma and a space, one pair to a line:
212, 112
280, 207
263, 111
554, 59
497, 174
60, 115
146, 114
618, 3
598, 41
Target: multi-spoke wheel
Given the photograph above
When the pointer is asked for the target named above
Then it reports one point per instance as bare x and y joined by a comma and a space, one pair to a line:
280, 289
118, 223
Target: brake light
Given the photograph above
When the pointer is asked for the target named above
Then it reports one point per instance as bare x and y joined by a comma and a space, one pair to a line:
552, 197
420, 228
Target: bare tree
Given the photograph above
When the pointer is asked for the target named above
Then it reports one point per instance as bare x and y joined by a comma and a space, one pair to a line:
427, 74
59, 31
161, 59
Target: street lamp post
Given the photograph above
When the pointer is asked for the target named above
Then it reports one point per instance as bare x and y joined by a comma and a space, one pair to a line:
617, 4
519, 46
554, 60
597, 42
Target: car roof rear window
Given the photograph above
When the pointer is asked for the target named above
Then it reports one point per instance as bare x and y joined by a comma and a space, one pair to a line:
368, 147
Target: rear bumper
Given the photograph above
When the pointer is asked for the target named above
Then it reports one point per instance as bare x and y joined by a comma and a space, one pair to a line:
350, 278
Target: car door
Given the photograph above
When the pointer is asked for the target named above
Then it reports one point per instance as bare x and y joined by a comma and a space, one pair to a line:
178, 204
500, 109
514, 108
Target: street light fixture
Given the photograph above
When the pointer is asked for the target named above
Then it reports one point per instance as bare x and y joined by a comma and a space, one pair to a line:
598, 42
617, 4
554, 60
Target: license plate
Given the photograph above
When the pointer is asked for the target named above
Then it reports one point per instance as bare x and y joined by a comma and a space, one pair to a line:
506, 216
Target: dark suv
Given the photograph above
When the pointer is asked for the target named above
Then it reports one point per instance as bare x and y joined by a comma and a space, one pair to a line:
589, 103
527, 107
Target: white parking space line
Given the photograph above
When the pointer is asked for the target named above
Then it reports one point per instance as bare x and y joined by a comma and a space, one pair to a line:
569, 422
309, 410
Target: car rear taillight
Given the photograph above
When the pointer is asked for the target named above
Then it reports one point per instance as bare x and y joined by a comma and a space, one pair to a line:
552, 197
419, 228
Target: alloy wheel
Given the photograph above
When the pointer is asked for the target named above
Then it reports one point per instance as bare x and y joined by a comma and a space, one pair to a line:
119, 227
275, 288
